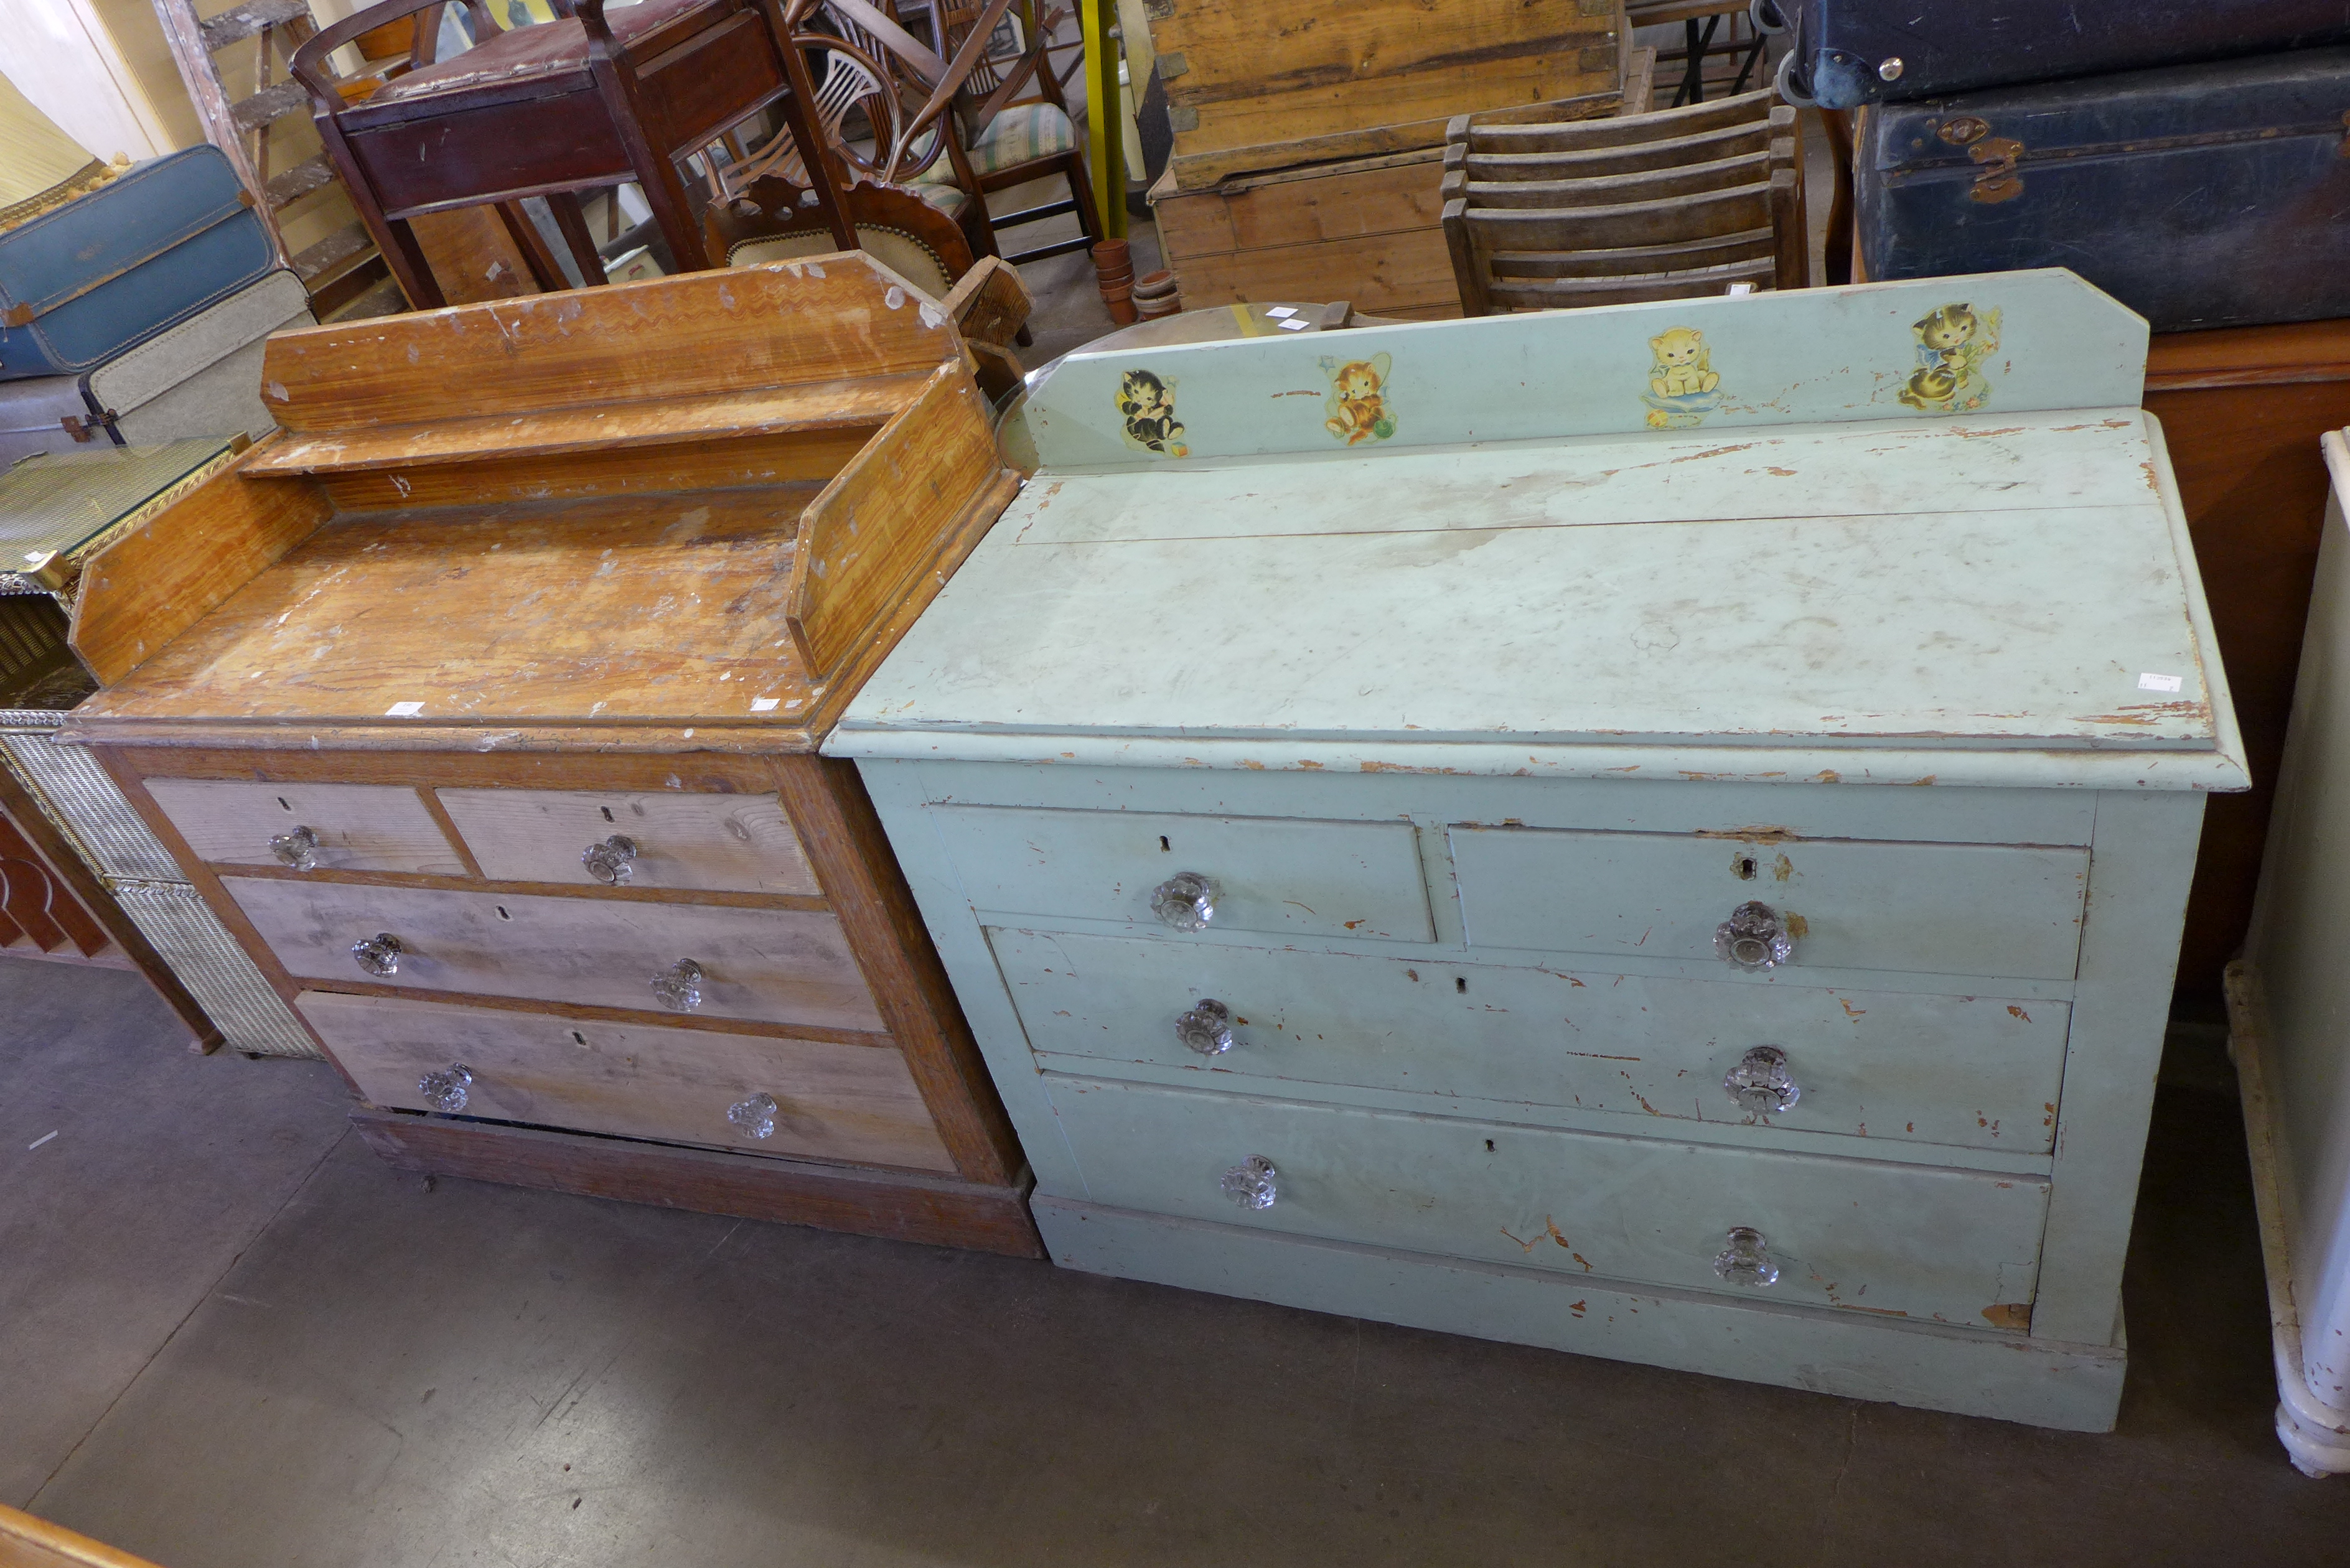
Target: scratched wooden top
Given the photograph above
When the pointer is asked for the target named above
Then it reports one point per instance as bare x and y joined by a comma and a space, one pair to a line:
1981, 597
665, 609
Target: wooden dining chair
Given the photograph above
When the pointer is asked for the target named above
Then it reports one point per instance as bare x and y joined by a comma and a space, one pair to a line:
1666, 205
584, 100
977, 131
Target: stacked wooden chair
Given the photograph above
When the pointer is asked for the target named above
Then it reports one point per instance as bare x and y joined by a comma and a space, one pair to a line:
1666, 205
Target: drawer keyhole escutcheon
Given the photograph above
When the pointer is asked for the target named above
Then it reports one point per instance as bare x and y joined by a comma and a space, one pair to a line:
378, 954
754, 1116
679, 987
611, 862
1761, 1084
1747, 1259
1186, 901
298, 849
1753, 937
1207, 1028
447, 1090
1252, 1186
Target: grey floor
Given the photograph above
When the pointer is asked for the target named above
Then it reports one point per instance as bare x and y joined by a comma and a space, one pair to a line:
228, 1336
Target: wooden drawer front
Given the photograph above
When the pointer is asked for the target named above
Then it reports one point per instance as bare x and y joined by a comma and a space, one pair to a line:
1933, 909
852, 1103
1972, 1071
693, 843
359, 828
1346, 879
781, 965
1908, 1240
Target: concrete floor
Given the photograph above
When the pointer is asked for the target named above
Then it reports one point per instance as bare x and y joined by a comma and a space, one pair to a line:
230, 1337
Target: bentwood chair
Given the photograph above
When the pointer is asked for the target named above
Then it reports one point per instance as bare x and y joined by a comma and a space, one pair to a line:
588, 99
976, 131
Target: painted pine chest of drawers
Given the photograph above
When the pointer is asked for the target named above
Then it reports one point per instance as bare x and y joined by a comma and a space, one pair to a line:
1660, 831
482, 706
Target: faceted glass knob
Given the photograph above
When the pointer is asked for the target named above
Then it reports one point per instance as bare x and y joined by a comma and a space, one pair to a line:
612, 861
1753, 937
298, 849
378, 954
1747, 1259
1251, 1185
679, 987
1760, 1082
755, 1116
1186, 901
446, 1090
1207, 1028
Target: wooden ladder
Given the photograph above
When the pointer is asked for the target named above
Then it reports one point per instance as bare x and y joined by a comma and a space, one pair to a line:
342, 265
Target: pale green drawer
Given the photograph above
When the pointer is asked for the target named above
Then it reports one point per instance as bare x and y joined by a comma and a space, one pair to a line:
1996, 910
1351, 881
1972, 1071
1903, 1241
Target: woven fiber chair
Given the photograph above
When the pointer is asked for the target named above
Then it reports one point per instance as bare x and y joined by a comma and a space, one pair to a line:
582, 101
1666, 205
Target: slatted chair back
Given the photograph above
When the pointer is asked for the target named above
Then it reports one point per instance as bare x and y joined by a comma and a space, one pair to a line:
1667, 205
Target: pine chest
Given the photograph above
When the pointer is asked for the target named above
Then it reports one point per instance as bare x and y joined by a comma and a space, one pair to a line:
482, 704
1657, 831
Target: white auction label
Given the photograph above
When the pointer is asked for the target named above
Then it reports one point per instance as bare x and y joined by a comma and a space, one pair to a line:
1282, 312
763, 704
403, 709
2160, 683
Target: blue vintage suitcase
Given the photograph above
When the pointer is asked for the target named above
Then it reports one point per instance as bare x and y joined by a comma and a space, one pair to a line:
79, 285
2210, 195
1845, 53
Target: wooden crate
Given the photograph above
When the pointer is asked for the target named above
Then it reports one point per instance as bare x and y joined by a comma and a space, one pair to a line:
1263, 84
1367, 231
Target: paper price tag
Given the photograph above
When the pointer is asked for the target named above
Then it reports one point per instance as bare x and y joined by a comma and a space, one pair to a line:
2161, 682
1282, 312
403, 709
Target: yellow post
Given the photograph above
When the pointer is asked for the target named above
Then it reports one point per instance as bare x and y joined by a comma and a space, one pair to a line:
1105, 146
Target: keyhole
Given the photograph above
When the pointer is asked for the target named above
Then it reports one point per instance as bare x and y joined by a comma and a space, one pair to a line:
1164, 848
1488, 1145
502, 913
606, 811
580, 1039
281, 800
1460, 985
1745, 868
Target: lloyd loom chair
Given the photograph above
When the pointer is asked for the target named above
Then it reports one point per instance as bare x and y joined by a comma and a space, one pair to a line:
584, 100
1667, 205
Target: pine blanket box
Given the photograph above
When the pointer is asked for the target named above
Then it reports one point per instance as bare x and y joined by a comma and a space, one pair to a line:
1657, 831
482, 704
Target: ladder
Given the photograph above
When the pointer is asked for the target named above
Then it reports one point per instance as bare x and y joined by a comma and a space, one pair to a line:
271, 123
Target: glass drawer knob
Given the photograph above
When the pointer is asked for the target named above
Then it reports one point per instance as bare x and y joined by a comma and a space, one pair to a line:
1207, 1028
1186, 901
1889, 68
378, 954
1753, 937
298, 849
1747, 1259
1760, 1082
754, 1116
612, 861
679, 987
1251, 1185
447, 1090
